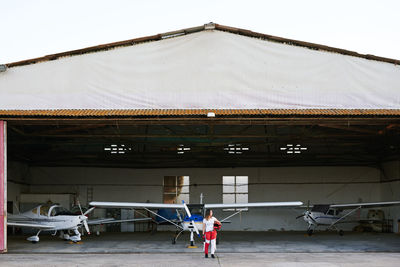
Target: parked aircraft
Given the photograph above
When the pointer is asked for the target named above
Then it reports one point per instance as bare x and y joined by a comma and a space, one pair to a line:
332, 214
192, 222
55, 218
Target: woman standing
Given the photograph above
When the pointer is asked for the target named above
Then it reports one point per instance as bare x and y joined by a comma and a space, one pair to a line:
209, 233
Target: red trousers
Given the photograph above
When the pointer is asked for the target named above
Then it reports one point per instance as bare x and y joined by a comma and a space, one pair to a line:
210, 236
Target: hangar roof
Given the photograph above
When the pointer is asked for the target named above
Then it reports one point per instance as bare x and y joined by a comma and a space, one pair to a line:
211, 68
215, 26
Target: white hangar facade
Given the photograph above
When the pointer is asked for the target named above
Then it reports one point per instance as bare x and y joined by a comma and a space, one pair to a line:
235, 115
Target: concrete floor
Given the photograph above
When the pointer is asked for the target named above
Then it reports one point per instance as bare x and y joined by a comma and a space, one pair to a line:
196, 259
230, 242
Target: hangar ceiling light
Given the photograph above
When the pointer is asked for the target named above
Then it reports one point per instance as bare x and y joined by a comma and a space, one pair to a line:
293, 149
117, 149
235, 149
181, 149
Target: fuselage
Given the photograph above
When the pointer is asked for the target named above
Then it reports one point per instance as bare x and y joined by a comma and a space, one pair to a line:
320, 218
196, 218
49, 216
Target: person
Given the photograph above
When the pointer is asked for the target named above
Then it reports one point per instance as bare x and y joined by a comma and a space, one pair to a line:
209, 233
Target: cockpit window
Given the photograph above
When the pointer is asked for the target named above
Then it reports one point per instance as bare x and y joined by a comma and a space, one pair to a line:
44, 210
56, 211
331, 212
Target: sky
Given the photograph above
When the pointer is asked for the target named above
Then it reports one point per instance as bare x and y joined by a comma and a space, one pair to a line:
32, 28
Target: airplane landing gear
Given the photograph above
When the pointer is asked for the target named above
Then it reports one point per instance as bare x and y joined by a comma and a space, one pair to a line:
310, 232
341, 233
176, 237
77, 237
34, 239
192, 245
64, 236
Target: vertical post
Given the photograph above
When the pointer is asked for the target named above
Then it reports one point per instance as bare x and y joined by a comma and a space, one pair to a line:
3, 186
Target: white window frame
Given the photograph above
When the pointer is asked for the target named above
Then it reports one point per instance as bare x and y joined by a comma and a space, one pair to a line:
235, 193
183, 192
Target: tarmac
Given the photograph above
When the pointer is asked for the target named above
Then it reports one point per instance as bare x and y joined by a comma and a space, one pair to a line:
197, 259
234, 249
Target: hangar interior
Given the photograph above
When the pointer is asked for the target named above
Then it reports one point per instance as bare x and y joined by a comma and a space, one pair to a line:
343, 160
230, 114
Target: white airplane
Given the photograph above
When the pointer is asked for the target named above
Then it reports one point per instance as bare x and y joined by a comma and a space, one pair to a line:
50, 217
192, 222
332, 214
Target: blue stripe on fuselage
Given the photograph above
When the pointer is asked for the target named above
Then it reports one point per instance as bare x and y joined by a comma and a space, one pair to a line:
195, 217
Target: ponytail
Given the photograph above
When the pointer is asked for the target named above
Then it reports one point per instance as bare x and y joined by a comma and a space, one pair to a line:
208, 215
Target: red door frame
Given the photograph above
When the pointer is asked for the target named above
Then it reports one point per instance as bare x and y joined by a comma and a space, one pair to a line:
3, 186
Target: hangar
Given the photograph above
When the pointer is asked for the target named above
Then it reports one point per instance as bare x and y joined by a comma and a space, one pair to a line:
236, 115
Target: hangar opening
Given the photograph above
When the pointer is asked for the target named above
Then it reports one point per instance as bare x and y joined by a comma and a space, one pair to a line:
215, 114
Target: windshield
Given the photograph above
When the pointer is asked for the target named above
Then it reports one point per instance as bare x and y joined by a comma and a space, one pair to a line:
60, 211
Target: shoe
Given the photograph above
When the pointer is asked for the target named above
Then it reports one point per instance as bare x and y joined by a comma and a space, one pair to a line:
212, 256
206, 256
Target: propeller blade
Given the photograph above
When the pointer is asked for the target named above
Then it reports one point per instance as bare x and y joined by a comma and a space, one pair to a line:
80, 208
312, 219
86, 226
89, 210
308, 205
190, 215
302, 215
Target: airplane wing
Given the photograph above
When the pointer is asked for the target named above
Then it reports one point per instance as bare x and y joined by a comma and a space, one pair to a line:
254, 205
31, 225
112, 220
365, 205
133, 205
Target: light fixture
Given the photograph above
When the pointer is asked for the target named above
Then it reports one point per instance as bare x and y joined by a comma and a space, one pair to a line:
235, 149
181, 149
211, 114
293, 149
117, 149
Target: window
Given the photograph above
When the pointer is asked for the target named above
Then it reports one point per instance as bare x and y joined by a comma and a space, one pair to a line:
235, 189
44, 210
176, 189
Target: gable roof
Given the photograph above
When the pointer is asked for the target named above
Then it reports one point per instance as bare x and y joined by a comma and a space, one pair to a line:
209, 26
259, 76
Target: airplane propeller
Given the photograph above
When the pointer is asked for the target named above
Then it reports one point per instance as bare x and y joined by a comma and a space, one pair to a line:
84, 218
86, 225
89, 210
306, 213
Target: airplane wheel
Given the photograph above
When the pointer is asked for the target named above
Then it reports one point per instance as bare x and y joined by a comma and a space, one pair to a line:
341, 233
310, 232
173, 241
34, 242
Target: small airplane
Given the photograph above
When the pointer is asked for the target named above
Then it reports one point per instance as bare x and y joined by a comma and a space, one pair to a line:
53, 217
192, 222
332, 214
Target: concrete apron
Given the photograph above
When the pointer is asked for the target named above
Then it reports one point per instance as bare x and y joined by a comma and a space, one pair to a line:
230, 242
